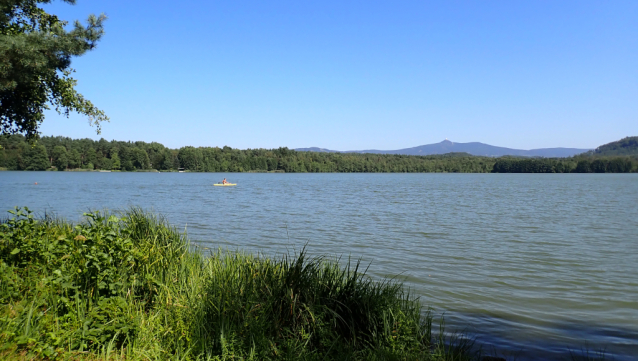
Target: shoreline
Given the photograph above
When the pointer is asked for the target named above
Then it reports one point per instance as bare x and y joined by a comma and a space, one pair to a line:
145, 230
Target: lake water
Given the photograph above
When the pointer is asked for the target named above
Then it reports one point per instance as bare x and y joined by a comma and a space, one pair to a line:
532, 265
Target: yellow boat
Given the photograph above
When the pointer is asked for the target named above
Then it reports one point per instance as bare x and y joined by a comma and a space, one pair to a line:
225, 185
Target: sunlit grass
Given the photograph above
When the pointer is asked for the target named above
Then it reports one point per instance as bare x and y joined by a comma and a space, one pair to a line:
131, 287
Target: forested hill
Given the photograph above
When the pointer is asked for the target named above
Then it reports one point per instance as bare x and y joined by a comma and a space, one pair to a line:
60, 153
625, 146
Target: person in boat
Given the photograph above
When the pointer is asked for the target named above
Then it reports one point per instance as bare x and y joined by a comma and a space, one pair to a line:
224, 181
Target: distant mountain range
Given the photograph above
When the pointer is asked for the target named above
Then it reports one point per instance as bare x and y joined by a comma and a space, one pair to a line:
473, 148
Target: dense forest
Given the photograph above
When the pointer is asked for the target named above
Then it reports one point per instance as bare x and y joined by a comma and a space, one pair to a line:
62, 153
578, 164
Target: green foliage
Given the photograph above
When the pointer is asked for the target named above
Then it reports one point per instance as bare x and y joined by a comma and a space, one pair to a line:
140, 159
115, 165
190, 158
60, 157
35, 59
580, 164
73, 283
533, 165
74, 159
35, 158
625, 146
133, 287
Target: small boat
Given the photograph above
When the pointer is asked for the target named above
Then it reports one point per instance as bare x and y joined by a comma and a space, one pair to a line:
225, 185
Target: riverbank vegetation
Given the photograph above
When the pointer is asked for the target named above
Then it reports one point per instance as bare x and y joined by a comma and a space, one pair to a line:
60, 153
132, 287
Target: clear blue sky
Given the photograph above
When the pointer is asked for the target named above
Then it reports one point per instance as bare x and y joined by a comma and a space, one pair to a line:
349, 75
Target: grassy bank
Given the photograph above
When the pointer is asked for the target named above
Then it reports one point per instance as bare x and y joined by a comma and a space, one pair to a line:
131, 287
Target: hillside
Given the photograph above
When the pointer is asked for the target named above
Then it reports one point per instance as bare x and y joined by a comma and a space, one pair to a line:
473, 148
625, 146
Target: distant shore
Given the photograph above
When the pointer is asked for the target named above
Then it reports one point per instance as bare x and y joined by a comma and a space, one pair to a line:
51, 153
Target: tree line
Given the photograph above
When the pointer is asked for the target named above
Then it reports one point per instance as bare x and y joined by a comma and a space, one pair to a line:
63, 153
577, 164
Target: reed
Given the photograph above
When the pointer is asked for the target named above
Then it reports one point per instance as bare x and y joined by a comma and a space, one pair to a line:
130, 286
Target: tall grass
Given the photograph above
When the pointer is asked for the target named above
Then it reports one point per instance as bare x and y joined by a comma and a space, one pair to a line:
130, 286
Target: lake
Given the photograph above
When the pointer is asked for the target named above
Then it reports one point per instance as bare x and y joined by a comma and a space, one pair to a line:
532, 265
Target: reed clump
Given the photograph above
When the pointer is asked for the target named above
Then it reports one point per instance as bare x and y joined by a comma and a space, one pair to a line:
130, 286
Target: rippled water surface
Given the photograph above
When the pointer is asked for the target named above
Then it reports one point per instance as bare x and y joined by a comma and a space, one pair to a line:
531, 264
